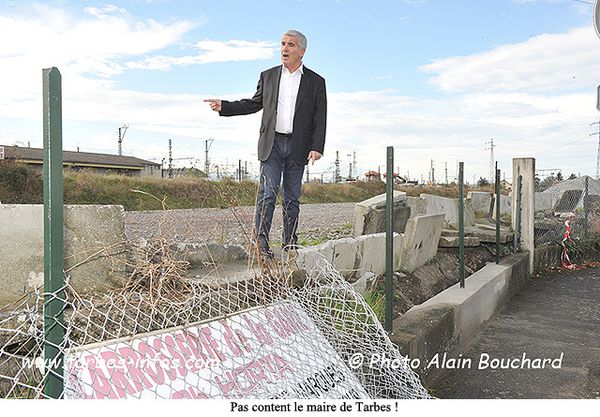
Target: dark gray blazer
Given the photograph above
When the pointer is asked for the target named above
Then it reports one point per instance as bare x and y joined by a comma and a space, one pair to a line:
310, 116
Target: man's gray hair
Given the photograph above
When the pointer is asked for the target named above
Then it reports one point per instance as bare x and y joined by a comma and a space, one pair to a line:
302, 42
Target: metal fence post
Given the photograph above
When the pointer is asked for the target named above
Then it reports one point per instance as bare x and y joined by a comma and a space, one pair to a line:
517, 234
461, 224
54, 332
497, 214
389, 240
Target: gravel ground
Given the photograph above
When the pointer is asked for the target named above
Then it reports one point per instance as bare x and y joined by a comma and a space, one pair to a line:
317, 222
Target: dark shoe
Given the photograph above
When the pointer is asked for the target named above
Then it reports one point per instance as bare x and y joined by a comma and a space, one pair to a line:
267, 254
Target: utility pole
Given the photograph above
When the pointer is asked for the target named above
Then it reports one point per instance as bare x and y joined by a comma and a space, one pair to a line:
170, 159
240, 170
349, 166
122, 131
446, 168
598, 154
337, 167
307, 172
354, 165
492, 167
432, 173
207, 144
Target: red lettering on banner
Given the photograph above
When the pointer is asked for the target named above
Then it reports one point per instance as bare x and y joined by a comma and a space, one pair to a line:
211, 346
118, 376
259, 332
170, 343
164, 360
195, 349
244, 379
132, 361
235, 340
100, 383
149, 357
190, 393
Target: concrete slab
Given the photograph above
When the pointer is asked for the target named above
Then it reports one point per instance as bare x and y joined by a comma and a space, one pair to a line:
345, 252
418, 206
449, 208
482, 202
372, 252
505, 206
308, 257
489, 236
94, 248
420, 241
453, 241
544, 202
569, 200
369, 215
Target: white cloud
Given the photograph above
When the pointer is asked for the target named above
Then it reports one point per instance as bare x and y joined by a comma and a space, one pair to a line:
544, 63
210, 52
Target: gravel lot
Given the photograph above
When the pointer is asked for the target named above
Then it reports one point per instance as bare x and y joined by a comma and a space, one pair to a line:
317, 222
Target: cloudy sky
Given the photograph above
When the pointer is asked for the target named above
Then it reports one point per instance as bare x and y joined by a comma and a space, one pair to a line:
436, 79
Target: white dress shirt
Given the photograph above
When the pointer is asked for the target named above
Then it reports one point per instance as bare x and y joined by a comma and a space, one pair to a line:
286, 102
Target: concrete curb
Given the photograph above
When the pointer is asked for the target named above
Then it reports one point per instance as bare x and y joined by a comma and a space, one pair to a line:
449, 320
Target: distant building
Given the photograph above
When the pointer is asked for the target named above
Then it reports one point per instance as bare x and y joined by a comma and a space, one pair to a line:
97, 162
505, 185
372, 176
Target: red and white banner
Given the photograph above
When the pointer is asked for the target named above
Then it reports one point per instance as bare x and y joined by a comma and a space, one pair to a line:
268, 352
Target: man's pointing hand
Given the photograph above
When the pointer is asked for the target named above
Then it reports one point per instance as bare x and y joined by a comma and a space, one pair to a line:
215, 104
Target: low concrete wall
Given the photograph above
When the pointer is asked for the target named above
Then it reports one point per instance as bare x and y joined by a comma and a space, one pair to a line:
449, 207
369, 215
94, 237
352, 255
449, 320
482, 202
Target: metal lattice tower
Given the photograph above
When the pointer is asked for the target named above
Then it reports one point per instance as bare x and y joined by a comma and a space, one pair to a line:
122, 131
492, 173
598, 154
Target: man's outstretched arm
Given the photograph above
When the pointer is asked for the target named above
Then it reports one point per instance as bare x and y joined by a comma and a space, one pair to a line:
239, 107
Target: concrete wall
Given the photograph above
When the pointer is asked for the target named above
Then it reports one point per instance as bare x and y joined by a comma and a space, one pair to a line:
94, 237
526, 168
544, 202
421, 241
449, 320
369, 215
482, 202
505, 206
352, 255
449, 208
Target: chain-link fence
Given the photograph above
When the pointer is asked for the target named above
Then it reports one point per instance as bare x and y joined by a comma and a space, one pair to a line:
275, 334
566, 210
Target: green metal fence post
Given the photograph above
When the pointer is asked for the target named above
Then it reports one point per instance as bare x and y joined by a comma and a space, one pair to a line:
53, 234
497, 214
461, 223
389, 240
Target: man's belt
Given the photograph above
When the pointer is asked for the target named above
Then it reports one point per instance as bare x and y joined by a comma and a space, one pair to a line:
284, 135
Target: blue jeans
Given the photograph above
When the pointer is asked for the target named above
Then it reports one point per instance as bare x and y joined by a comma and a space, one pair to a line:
279, 164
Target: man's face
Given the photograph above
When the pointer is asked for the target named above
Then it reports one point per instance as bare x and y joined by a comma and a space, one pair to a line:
291, 54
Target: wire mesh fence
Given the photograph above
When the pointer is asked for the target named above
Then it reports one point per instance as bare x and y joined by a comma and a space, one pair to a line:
270, 335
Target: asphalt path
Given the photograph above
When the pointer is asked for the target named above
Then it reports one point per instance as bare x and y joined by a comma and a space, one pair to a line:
548, 337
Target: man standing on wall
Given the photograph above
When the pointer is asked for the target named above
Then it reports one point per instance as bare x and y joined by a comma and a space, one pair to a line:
292, 133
